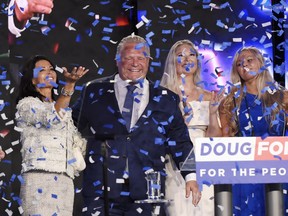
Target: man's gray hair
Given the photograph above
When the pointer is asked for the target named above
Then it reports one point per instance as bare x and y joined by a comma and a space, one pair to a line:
133, 39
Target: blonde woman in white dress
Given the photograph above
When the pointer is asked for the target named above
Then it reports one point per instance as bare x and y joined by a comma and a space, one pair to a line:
181, 75
52, 148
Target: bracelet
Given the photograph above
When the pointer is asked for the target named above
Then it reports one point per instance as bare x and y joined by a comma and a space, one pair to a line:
66, 93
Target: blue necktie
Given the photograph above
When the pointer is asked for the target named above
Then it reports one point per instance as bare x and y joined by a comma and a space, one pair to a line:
128, 106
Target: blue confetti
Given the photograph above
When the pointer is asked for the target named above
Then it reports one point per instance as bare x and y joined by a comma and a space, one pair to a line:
124, 193
277, 157
264, 136
43, 22
122, 121
110, 126
146, 168
71, 161
36, 71
72, 20
21, 180
156, 64
241, 14
171, 143
96, 183
178, 154
44, 149
78, 38
186, 17
78, 88
110, 109
106, 18
105, 38
105, 48
157, 98
100, 71
109, 30
158, 141
54, 196
143, 152
95, 22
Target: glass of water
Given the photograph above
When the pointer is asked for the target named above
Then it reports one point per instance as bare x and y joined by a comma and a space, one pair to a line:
153, 185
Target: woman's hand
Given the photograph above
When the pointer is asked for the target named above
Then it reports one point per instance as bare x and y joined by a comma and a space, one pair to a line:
192, 188
68, 90
216, 99
75, 74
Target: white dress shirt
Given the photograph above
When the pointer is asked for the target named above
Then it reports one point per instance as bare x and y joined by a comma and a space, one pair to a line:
141, 98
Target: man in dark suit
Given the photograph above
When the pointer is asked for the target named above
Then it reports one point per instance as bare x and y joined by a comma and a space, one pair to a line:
135, 145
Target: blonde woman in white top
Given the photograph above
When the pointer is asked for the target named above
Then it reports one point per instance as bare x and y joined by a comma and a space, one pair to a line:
182, 75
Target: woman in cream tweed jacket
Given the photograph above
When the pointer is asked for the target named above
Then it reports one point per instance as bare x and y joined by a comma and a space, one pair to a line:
52, 149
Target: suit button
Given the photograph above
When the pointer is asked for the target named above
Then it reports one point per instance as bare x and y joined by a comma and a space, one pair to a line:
128, 138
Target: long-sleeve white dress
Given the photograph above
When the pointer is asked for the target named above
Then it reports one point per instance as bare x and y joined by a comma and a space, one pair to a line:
175, 184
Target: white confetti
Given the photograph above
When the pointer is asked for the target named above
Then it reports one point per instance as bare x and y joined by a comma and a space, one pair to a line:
206, 42
164, 92
144, 19
266, 24
113, 42
95, 63
8, 151
156, 210
91, 160
3, 116
9, 212
92, 130
237, 39
10, 122
16, 142
20, 209
220, 207
140, 24
86, 7
139, 210
59, 69
191, 29
120, 181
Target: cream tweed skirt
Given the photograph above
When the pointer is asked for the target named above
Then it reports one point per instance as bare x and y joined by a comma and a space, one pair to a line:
47, 194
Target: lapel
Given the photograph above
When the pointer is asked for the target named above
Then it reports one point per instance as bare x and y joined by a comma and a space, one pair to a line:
110, 101
151, 106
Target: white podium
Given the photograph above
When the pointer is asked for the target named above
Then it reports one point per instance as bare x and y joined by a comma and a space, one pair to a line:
223, 161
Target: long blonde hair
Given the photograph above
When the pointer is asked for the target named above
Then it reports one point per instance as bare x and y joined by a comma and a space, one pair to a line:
269, 92
169, 78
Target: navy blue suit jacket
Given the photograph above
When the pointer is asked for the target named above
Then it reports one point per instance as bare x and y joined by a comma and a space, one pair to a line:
160, 129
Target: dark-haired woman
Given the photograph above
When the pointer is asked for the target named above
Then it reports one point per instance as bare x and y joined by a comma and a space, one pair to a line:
49, 139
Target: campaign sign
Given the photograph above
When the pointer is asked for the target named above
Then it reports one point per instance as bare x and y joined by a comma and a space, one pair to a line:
241, 160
